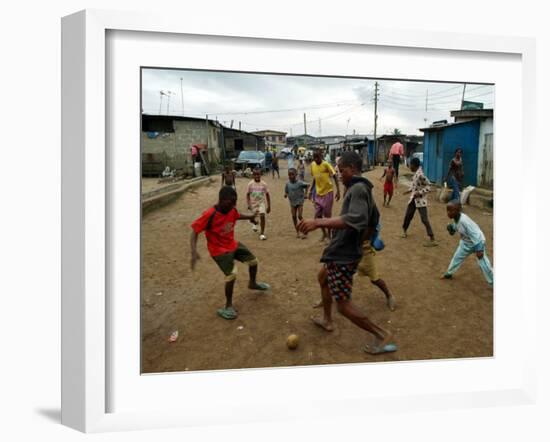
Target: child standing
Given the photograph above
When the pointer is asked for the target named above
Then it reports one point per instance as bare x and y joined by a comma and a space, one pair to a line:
218, 224
342, 255
275, 166
301, 170
389, 173
420, 186
296, 191
472, 240
228, 177
258, 200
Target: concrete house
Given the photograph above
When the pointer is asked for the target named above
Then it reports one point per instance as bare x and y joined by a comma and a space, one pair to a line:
272, 138
167, 140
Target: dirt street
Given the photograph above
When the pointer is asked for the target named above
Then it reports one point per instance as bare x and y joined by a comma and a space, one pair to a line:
434, 318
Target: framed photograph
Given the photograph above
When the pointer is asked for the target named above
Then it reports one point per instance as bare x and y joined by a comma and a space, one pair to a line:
162, 123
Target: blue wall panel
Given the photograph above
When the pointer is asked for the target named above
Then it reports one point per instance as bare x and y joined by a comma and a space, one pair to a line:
439, 148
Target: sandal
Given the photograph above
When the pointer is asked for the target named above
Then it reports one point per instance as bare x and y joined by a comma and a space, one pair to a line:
227, 313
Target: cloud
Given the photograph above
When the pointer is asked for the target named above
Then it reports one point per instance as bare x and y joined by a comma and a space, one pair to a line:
332, 105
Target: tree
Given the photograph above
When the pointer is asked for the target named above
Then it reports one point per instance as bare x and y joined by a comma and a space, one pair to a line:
396, 132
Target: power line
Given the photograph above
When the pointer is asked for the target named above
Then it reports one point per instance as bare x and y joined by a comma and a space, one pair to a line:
265, 111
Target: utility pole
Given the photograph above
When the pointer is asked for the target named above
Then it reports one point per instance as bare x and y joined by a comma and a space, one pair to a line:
206, 130
182, 106
160, 107
375, 121
463, 92
239, 125
320, 131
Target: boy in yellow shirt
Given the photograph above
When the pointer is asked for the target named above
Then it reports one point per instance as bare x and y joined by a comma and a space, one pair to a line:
321, 192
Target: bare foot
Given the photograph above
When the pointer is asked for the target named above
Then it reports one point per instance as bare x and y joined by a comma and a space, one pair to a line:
318, 304
323, 324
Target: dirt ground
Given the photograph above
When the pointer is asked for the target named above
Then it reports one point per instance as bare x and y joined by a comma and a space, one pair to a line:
434, 318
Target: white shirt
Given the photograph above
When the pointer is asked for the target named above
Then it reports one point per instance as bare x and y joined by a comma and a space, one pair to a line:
469, 231
420, 184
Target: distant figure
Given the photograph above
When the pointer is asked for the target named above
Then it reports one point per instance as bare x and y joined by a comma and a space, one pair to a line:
389, 172
194, 153
258, 200
301, 170
296, 191
337, 168
228, 177
275, 165
268, 160
396, 152
456, 174
472, 240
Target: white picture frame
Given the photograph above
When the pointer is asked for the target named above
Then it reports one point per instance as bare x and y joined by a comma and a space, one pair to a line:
86, 206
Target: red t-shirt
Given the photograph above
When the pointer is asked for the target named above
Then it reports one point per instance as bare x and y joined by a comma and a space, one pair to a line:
220, 236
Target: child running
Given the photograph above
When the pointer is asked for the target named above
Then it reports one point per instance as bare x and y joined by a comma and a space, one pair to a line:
344, 253
389, 173
296, 192
472, 240
420, 186
258, 200
218, 224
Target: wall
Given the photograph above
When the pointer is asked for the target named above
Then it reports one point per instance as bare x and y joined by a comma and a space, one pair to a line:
486, 155
439, 148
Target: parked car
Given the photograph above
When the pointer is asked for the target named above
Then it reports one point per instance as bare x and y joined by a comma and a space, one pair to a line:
420, 156
252, 159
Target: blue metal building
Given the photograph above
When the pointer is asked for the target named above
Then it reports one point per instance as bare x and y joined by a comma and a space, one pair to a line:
371, 150
440, 142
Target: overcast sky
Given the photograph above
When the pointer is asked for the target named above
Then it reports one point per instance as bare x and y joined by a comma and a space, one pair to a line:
333, 106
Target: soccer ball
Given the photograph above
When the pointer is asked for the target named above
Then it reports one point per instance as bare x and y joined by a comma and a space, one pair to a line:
292, 342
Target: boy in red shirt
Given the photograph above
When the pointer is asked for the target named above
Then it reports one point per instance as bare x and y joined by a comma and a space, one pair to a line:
218, 225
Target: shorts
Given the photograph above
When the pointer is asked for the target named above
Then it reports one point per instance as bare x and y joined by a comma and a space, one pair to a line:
275, 167
226, 262
340, 280
323, 205
388, 187
296, 204
367, 265
259, 208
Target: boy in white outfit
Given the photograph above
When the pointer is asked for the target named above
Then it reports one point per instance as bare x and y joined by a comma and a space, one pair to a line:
472, 240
